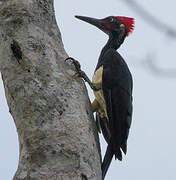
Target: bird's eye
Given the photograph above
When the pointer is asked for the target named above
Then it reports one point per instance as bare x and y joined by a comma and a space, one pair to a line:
111, 19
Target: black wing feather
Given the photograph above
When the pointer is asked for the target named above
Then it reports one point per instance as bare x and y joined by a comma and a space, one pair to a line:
103, 125
117, 89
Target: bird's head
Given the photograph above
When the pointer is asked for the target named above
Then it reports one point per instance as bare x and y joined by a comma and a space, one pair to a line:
116, 25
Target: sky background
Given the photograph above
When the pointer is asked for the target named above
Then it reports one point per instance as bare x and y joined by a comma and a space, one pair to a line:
151, 144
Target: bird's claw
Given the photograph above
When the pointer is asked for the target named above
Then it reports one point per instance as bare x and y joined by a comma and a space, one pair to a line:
75, 63
95, 88
81, 73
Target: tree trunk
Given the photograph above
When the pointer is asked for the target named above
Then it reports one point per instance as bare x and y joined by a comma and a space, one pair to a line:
50, 107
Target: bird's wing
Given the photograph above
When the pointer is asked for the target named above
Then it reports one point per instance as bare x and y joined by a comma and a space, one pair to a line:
103, 126
117, 89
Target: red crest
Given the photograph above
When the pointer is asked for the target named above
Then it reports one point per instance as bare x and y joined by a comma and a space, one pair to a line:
128, 22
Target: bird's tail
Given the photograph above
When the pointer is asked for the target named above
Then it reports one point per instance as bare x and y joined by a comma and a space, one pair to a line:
106, 161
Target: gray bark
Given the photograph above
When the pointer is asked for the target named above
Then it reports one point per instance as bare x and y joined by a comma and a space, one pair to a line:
50, 107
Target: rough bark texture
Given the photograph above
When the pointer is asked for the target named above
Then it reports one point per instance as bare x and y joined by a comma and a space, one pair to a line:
50, 107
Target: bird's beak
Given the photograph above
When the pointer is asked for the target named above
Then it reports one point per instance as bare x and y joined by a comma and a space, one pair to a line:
93, 21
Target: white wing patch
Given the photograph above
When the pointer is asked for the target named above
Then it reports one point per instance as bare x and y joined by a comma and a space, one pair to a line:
97, 80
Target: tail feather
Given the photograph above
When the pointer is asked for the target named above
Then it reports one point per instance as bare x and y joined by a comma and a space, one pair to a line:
98, 123
118, 155
105, 129
124, 147
106, 161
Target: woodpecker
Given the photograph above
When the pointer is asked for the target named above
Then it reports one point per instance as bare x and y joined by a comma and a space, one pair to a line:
112, 85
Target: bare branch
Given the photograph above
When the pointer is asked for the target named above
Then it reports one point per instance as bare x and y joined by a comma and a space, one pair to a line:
150, 19
152, 65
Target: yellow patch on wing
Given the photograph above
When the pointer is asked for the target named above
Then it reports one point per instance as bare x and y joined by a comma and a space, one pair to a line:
99, 97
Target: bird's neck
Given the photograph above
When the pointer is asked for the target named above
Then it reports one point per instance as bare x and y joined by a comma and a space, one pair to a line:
113, 43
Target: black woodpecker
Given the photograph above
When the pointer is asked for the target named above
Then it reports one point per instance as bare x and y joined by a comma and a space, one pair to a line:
112, 85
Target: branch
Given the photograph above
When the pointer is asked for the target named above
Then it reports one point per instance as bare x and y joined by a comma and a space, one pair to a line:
150, 19
151, 64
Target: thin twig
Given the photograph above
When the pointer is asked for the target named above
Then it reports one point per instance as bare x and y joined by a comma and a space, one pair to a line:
156, 23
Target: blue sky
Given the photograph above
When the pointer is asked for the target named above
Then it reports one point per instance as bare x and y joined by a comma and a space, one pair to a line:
151, 145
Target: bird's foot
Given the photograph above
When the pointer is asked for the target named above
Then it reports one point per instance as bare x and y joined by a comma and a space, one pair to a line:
76, 64
81, 73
